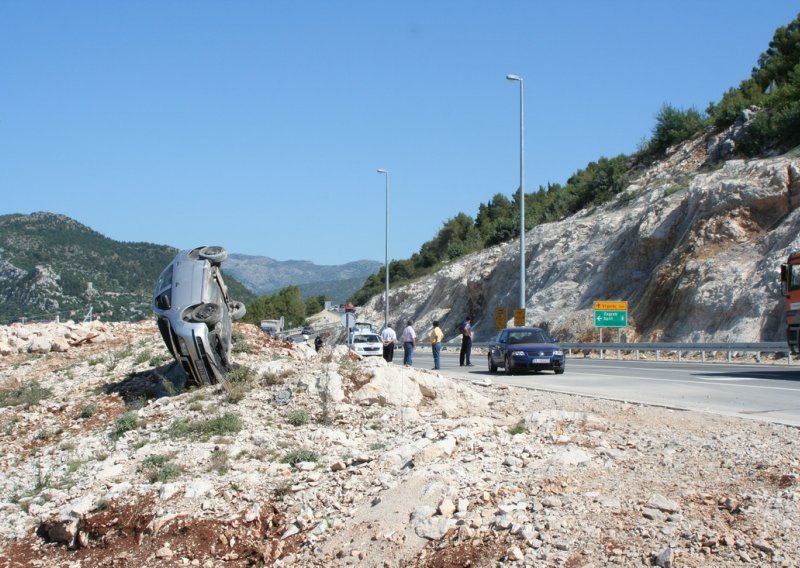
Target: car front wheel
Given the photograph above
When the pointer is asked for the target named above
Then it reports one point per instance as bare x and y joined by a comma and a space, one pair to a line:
559, 371
492, 366
509, 370
208, 313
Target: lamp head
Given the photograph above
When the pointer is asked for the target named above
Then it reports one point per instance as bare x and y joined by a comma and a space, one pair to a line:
513, 77
382, 171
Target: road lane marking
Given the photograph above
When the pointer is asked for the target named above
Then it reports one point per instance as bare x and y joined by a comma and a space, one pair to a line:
685, 381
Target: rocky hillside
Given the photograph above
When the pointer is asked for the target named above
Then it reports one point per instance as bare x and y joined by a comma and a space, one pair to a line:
321, 459
694, 244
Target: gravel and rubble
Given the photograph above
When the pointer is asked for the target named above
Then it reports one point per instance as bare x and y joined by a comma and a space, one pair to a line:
322, 459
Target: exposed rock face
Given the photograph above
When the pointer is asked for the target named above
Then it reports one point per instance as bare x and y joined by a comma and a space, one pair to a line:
695, 254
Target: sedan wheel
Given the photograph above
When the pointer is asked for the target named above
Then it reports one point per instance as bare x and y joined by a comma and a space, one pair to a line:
208, 313
214, 255
492, 366
509, 370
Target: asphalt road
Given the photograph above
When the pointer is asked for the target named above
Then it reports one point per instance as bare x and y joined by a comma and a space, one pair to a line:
763, 392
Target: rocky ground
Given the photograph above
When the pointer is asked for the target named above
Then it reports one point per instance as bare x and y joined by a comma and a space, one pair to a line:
319, 459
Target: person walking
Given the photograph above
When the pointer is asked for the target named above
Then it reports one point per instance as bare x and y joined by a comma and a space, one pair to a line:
437, 335
409, 342
466, 343
388, 336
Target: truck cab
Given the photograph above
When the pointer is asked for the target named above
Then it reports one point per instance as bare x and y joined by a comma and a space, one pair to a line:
790, 285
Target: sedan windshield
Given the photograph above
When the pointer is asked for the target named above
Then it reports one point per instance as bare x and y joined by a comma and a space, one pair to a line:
366, 339
528, 336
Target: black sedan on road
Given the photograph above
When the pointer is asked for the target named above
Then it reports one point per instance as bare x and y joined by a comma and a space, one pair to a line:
525, 349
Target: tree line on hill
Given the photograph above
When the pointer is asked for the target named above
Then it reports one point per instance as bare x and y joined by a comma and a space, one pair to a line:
773, 89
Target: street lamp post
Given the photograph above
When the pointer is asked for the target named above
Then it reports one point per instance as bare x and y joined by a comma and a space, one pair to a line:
521, 189
386, 253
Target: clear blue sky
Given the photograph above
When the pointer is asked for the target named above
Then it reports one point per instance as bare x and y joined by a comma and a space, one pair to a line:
259, 125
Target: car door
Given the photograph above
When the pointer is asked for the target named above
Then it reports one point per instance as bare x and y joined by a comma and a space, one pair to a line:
497, 348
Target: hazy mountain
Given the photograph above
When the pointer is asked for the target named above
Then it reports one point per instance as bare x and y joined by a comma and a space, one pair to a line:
264, 275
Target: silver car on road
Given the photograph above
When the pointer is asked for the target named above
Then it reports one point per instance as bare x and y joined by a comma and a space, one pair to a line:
194, 313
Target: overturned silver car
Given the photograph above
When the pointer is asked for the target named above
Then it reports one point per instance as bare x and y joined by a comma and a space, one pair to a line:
194, 313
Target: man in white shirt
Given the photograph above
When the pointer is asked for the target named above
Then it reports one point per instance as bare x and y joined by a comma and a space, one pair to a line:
409, 342
388, 336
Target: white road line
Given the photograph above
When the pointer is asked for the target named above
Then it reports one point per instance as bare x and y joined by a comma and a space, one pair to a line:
683, 381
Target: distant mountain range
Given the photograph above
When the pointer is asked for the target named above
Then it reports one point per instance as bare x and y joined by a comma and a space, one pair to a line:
51, 265
264, 275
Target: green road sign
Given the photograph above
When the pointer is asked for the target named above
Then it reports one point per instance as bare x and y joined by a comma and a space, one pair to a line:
611, 318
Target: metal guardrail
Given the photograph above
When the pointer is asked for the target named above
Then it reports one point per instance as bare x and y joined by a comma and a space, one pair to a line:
679, 348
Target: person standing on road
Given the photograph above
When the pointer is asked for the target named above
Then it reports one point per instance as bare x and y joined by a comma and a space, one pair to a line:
466, 343
436, 344
409, 342
388, 336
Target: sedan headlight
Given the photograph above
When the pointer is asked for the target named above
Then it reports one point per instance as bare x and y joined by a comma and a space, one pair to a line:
518, 354
557, 352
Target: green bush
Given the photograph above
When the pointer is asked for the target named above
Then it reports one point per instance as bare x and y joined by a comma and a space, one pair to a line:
25, 395
297, 417
160, 468
88, 411
229, 423
124, 423
296, 456
672, 126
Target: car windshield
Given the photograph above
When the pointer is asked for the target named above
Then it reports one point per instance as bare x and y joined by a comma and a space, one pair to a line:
528, 336
366, 339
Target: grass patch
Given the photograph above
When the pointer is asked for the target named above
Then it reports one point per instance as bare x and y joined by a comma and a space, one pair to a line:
219, 461
377, 446
240, 381
142, 357
297, 417
24, 395
159, 359
87, 411
160, 468
518, 428
48, 433
124, 423
296, 456
229, 423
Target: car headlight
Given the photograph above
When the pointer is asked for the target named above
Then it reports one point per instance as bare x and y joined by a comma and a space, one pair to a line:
558, 352
518, 354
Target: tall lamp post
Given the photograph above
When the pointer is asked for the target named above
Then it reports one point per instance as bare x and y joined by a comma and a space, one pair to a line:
386, 253
521, 189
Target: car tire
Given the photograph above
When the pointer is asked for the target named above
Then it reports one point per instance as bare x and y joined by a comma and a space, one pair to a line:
208, 313
559, 371
509, 369
237, 310
214, 255
492, 366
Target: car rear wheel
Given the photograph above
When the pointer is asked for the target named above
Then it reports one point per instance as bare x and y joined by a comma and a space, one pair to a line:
208, 313
214, 255
492, 366
237, 310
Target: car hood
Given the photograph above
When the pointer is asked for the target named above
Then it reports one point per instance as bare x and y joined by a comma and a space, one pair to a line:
533, 346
